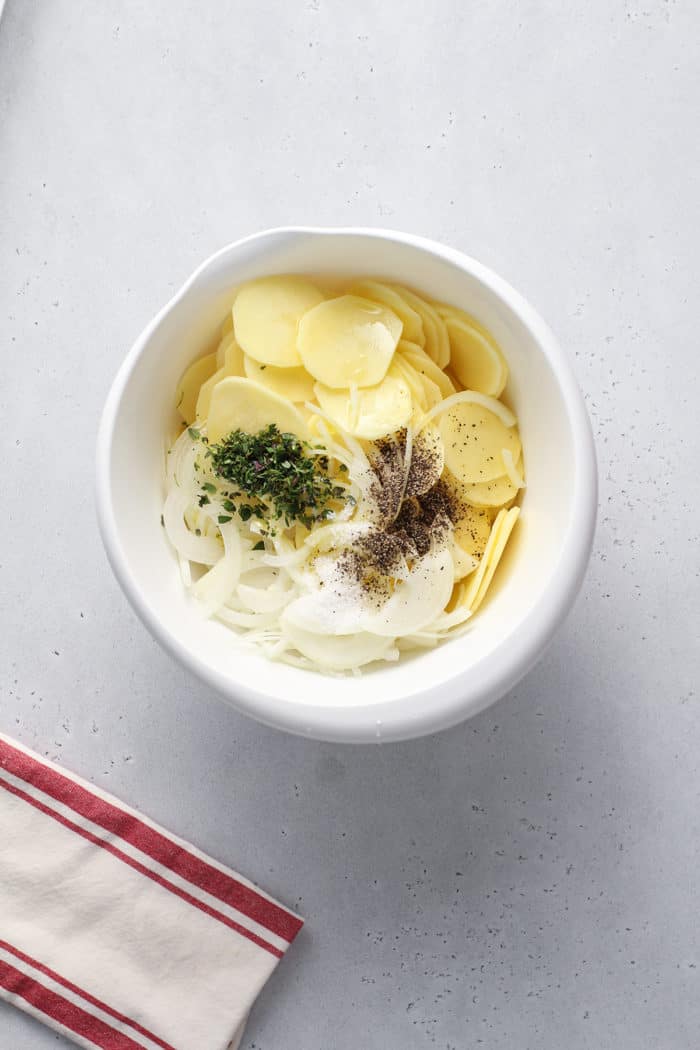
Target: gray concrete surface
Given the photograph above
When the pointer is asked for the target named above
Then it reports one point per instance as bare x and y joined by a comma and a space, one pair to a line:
528, 881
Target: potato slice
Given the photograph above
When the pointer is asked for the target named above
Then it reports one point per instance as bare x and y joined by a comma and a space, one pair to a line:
419, 394
227, 324
387, 296
233, 360
471, 588
426, 366
481, 581
241, 404
476, 358
293, 383
473, 529
431, 390
226, 341
266, 315
190, 384
232, 366
424, 391
474, 439
348, 341
372, 412
464, 565
437, 342
494, 493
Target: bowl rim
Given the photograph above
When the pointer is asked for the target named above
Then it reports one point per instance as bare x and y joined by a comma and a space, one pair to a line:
466, 693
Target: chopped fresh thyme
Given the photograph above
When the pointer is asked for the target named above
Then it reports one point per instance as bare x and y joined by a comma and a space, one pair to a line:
277, 475
259, 546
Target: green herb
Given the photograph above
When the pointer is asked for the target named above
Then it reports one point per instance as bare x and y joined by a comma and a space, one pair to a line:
203, 500
194, 433
208, 487
162, 521
276, 470
223, 518
198, 532
259, 546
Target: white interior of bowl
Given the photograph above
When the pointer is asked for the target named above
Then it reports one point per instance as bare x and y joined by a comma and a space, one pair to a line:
420, 692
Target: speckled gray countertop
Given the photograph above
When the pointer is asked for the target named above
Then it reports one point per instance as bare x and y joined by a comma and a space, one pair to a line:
529, 880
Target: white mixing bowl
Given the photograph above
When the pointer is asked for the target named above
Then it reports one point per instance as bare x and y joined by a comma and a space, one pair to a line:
535, 585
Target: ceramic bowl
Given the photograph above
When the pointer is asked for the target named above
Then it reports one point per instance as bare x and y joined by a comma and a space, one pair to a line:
535, 584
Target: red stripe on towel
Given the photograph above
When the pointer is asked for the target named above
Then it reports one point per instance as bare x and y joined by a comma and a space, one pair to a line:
151, 842
141, 868
64, 1012
36, 965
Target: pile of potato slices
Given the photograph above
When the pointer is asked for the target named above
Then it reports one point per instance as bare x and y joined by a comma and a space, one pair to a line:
359, 363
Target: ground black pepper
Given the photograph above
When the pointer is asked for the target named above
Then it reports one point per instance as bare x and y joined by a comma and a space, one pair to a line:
414, 514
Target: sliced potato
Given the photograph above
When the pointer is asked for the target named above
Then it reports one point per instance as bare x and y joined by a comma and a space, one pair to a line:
232, 366
373, 411
233, 360
226, 341
431, 391
473, 529
241, 404
437, 342
464, 565
190, 384
474, 439
348, 341
413, 381
266, 315
480, 583
424, 391
383, 293
476, 358
496, 493
426, 366
470, 590
293, 383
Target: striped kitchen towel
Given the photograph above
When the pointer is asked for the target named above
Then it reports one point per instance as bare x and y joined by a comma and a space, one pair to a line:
114, 931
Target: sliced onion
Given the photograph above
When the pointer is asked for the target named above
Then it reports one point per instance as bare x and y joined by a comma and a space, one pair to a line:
240, 619
338, 653
472, 397
514, 476
418, 600
205, 550
185, 571
447, 621
263, 600
327, 613
215, 587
